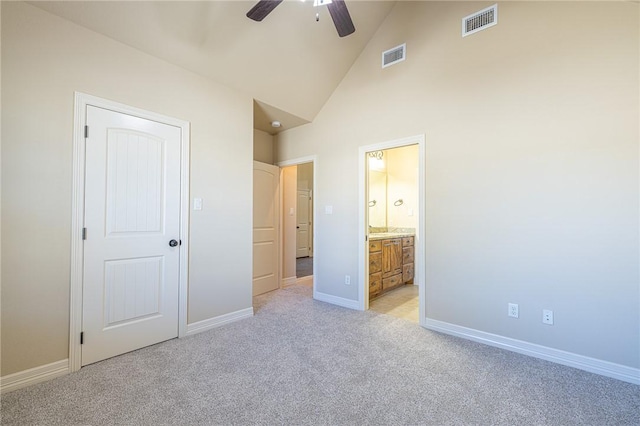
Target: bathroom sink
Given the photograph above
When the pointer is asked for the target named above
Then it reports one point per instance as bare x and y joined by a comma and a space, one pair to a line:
385, 235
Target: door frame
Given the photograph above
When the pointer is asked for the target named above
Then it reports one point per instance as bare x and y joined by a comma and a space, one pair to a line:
82, 100
295, 162
420, 237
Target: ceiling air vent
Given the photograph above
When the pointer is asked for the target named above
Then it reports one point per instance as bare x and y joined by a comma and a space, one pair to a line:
395, 55
480, 20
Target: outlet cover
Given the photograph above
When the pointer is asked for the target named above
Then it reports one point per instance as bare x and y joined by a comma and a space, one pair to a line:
547, 316
513, 310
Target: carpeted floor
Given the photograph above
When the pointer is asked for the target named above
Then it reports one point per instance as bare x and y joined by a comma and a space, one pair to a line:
304, 362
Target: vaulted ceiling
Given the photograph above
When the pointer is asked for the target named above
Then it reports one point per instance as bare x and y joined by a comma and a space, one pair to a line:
289, 63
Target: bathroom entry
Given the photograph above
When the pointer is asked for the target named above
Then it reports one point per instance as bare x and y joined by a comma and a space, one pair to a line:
393, 206
297, 220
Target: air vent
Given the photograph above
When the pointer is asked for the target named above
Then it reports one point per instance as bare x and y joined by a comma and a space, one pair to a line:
480, 20
395, 55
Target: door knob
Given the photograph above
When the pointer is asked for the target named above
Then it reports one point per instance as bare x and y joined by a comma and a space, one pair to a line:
173, 243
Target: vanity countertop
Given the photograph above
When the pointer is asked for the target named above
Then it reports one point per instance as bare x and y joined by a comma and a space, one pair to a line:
388, 235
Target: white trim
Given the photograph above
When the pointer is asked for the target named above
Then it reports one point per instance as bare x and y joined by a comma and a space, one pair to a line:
480, 12
402, 46
592, 365
288, 282
336, 300
83, 100
34, 375
300, 160
363, 247
305, 280
211, 323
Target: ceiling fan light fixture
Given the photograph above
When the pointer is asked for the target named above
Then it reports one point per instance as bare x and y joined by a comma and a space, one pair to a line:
337, 9
317, 3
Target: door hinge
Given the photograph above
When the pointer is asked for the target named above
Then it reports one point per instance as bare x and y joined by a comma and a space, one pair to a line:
84, 233
82, 337
86, 132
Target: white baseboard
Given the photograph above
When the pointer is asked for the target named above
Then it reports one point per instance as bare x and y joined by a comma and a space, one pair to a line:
34, 375
287, 282
308, 280
335, 300
208, 324
592, 365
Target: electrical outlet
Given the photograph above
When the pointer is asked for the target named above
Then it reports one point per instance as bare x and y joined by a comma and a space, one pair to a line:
513, 310
547, 316
347, 279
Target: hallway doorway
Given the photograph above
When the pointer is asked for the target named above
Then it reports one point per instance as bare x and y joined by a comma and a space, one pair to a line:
297, 221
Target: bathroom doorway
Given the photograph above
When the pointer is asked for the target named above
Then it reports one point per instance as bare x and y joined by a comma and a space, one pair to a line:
392, 219
298, 222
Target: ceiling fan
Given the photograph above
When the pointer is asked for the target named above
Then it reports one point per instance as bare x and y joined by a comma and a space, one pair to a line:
337, 10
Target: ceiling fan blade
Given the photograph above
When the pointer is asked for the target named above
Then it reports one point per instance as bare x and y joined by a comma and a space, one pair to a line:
262, 9
341, 17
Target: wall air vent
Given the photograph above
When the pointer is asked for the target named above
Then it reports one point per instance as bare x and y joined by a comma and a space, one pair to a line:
395, 55
480, 20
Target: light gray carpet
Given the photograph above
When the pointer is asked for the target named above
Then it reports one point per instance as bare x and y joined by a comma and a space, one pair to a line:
300, 361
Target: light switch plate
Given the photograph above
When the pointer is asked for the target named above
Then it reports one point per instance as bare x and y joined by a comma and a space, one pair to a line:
197, 203
328, 209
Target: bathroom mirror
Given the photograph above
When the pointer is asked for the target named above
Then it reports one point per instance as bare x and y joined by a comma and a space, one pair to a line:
377, 198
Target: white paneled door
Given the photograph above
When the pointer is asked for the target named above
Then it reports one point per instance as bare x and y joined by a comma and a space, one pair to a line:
303, 222
132, 221
266, 218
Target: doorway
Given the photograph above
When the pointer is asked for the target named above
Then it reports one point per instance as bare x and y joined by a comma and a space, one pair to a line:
129, 230
392, 228
298, 194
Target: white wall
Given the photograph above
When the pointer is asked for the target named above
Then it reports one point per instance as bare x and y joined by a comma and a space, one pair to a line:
44, 60
532, 167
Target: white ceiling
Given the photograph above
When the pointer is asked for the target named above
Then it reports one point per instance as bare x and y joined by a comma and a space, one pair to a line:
288, 62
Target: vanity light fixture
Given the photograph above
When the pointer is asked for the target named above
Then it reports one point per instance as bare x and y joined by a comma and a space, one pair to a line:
376, 154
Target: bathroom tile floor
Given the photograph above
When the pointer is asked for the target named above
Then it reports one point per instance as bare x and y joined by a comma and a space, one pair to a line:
400, 303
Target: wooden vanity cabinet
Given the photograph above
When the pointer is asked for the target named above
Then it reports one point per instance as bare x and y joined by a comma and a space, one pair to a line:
391, 257
407, 260
390, 264
375, 268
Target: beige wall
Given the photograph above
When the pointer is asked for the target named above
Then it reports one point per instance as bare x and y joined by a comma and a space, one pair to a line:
44, 60
531, 167
262, 147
